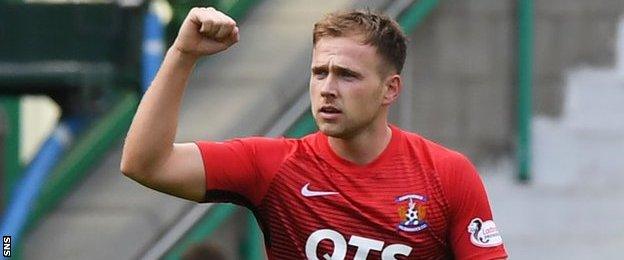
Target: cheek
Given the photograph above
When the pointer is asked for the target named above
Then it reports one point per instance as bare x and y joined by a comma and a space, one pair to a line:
316, 85
368, 102
313, 90
315, 95
358, 101
369, 96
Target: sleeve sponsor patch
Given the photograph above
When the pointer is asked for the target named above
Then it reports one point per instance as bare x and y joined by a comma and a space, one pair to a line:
484, 233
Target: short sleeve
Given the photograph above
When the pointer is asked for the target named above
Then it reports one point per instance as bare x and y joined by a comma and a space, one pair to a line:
242, 167
472, 232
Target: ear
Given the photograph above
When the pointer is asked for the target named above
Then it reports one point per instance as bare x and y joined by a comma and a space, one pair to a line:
392, 87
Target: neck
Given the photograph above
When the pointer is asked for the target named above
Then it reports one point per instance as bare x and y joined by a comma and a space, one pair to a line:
364, 147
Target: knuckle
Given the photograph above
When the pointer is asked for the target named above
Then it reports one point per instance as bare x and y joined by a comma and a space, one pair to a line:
221, 23
195, 10
221, 14
206, 19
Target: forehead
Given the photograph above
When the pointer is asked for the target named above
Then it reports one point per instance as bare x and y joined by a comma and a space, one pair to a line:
344, 51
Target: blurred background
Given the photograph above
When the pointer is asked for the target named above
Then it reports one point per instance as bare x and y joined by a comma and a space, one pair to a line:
531, 90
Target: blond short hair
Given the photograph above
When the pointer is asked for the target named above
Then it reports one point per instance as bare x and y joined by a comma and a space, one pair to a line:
377, 30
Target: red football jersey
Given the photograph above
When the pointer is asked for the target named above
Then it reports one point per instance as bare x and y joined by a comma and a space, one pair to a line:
417, 200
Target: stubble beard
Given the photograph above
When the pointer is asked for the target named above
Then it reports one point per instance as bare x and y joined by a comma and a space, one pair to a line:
343, 130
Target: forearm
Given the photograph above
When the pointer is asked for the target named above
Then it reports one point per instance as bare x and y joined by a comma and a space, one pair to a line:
152, 133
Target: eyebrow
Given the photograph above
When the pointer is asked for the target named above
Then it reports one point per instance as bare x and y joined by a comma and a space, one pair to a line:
337, 69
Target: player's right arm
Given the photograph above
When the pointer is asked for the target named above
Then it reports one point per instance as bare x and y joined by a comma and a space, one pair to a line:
150, 155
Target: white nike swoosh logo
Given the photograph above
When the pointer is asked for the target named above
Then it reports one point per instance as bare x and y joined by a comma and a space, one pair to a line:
309, 193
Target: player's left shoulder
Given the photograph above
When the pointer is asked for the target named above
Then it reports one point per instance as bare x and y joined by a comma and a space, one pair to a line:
436, 155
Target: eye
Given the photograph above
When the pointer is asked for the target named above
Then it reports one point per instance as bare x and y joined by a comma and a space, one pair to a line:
319, 74
348, 76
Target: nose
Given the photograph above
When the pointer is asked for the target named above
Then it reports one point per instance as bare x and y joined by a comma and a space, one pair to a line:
328, 87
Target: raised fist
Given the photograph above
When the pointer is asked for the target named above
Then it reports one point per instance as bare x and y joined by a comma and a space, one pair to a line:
206, 31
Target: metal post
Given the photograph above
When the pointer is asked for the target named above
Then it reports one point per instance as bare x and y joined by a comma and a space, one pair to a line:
251, 245
525, 84
11, 162
416, 14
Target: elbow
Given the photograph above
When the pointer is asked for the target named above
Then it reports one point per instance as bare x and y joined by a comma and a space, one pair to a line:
126, 168
141, 171
132, 164
130, 168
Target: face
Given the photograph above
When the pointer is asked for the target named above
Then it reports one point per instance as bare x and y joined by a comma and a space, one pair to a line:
348, 91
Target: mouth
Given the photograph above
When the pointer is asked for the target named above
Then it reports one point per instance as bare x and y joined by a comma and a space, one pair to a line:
329, 112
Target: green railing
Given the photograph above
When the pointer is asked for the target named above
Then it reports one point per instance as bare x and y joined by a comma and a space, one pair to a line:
9, 105
87, 69
416, 14
208, 224
303, 126
88, 150
525, 86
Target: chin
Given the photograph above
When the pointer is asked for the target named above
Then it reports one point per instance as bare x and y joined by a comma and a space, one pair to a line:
331, 130
335, 131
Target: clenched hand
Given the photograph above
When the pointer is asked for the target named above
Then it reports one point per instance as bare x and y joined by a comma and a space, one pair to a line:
206, 31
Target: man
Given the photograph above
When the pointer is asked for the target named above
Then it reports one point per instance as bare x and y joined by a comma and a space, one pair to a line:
357, 189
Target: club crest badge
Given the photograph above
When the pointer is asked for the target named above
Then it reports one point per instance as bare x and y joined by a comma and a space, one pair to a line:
484, 233
412, 212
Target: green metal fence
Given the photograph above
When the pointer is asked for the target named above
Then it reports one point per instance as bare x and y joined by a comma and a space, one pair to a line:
10, 151
83, 56
525, 86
